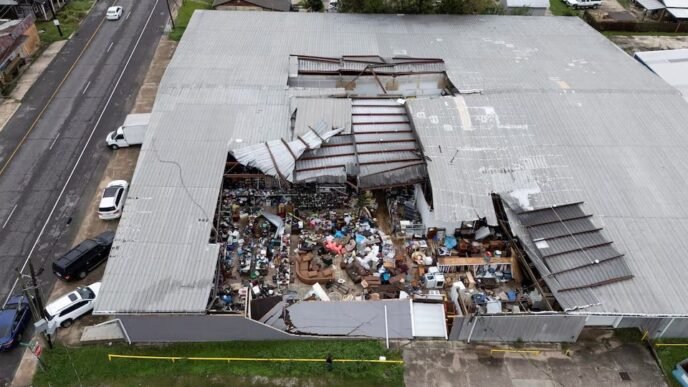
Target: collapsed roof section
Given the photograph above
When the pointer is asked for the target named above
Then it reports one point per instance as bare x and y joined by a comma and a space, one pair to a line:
277, 158
371, 75
381, 149
364, 64
374, 145
570, 251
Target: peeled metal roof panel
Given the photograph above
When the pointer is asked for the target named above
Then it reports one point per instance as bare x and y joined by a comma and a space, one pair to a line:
594, 275
566, 244
336, 112
559, 229
551, 215
570, 260
577, 258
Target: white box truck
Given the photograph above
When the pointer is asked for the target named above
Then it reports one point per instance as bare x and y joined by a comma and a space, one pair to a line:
130, 133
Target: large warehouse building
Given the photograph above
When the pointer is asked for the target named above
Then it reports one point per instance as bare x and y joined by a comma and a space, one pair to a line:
540, 126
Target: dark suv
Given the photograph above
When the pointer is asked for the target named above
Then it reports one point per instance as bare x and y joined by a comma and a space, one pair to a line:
83, 258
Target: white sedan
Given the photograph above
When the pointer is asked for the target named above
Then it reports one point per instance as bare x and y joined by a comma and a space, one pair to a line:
114, 13
112, 201
63, 311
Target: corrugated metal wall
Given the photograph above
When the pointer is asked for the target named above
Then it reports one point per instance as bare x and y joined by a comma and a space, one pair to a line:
658, 327
529, 328
191, 328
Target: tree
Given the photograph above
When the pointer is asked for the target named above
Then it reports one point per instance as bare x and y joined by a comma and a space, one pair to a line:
314, 5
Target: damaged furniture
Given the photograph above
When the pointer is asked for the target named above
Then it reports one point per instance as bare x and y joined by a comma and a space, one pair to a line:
306, 275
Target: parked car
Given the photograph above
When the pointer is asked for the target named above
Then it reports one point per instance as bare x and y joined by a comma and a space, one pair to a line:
63, 311
114, 13
583, 3
84, 257
112, 201
13, 320
680, 373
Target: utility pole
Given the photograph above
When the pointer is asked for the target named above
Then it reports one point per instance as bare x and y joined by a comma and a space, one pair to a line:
169, 10
39, 300
32, 306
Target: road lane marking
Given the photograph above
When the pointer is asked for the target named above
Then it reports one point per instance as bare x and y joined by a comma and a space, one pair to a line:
8, 218
109, 47
50, 100
54, 140
129, 14
81, 155
86, 88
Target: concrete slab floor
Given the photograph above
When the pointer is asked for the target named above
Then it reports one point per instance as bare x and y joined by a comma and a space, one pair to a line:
596, 362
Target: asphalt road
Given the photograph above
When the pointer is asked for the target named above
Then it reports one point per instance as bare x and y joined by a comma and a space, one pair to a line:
48, 176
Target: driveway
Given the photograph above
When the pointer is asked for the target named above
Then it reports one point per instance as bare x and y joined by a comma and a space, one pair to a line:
596, 360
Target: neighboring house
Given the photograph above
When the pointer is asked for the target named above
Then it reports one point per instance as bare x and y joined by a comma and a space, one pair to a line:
670, 65
42, 9
18, 40
252, 5
525, 7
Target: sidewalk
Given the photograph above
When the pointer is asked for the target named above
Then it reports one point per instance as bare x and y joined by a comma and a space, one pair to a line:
9, 106
121, 166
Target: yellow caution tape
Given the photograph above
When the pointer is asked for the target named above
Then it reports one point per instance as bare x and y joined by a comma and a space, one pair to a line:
174, 358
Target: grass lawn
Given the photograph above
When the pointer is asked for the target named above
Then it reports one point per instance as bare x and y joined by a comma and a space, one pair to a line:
630, 33
669, 356
69, 16
559, 8
94, 369
625, 3
184, 15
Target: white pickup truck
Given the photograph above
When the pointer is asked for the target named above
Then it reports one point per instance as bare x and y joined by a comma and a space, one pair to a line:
130, 133
578, 4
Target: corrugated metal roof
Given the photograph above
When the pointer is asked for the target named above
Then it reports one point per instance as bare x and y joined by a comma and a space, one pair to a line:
670, 65
651, 5
309, 111
676, 3
527, 3
563, 116
679, 13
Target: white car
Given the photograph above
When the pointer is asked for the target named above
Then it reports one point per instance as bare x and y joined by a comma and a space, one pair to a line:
63, 311
114, 13
112, 201
578, 4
